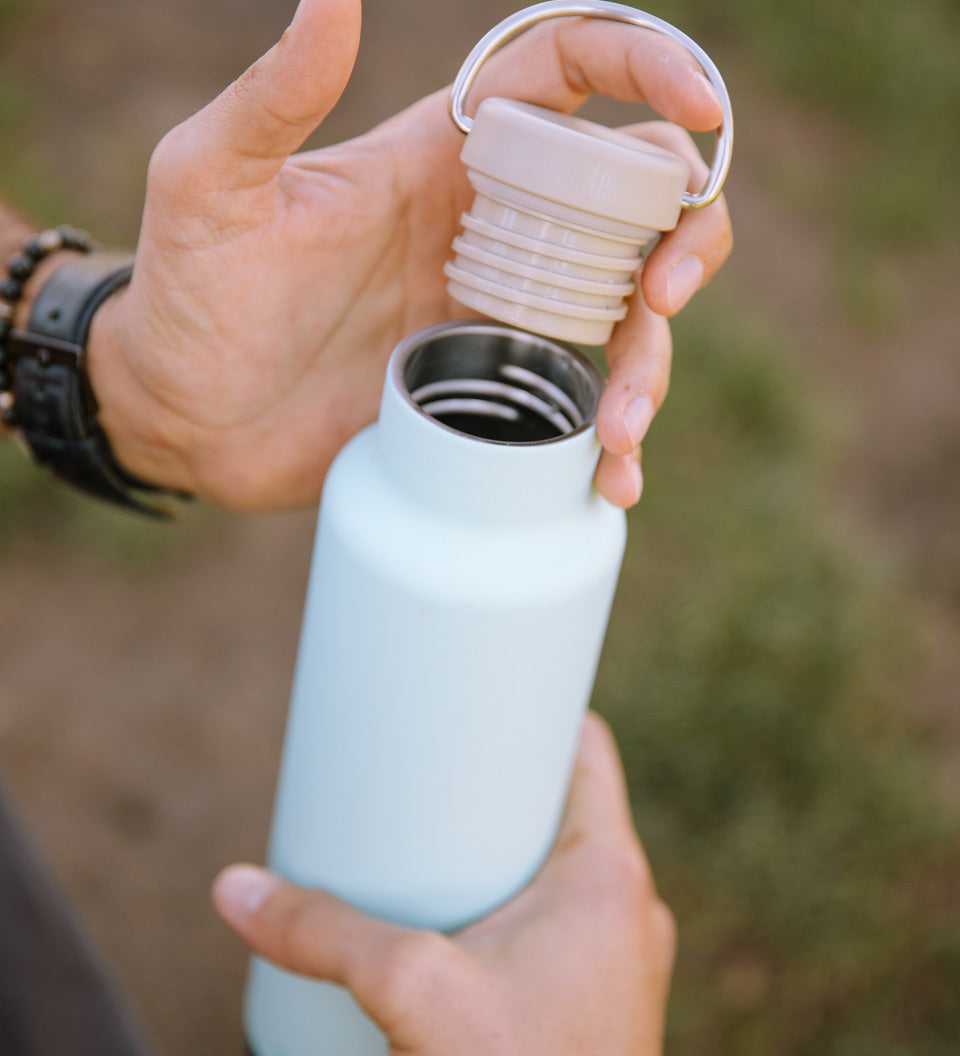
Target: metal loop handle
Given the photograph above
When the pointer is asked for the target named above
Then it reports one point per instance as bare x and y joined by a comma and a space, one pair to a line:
521, 21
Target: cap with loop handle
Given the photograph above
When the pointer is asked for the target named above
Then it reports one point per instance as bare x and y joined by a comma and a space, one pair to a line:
565, 207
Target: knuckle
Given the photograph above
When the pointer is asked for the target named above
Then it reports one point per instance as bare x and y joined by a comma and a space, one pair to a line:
224, 482
672, 135
227, 475
644, 369
283, 924
293, 921
726, 233
417, 967
627, 881
718, 230
657, 380
675, 139
169, 162
664, 934
630, 903
165, 151
249, 82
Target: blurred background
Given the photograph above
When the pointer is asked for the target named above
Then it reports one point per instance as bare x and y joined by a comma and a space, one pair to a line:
782, 663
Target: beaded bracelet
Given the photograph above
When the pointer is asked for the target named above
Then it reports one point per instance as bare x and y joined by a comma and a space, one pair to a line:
20, 269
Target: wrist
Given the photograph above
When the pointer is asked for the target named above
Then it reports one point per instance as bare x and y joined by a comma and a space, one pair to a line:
36, 282
47, 391
147, 439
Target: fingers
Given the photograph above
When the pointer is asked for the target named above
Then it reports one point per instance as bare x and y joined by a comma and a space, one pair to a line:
309, 932
686, 258
598, 864
559, 64
243, 137
664, 940
598, 807
639, 353
619, 478
395, 973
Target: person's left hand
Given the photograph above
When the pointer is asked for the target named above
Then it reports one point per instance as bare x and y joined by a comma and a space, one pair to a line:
579, 962
269, 287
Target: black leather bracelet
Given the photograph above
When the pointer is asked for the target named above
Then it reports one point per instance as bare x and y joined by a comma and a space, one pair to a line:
53, 405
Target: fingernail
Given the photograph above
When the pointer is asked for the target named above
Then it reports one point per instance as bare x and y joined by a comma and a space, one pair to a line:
683, 282
637, 418
242, 889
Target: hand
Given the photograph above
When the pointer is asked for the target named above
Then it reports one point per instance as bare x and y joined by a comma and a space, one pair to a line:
579, 962
269, 289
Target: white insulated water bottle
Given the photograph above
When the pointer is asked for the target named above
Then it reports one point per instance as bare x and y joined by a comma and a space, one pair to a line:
464, 566
462, 577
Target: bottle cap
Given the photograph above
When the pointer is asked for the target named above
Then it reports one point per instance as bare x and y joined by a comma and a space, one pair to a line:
565, 208
577, 163
562, 212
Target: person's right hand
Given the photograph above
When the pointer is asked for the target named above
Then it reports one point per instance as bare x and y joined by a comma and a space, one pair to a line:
578, 964
270, 287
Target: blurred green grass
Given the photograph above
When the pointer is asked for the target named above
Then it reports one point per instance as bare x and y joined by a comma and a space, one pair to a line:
26, 184
888, 70
755, 674
36, 507
882, 79
760, 657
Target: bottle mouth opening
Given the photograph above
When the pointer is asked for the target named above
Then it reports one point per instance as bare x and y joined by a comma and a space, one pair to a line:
497, 384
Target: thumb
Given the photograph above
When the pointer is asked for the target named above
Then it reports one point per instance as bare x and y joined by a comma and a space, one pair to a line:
314, 933
597, 825
252, 127
598, 804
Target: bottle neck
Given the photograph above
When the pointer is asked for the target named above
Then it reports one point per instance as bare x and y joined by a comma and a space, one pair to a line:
489, 424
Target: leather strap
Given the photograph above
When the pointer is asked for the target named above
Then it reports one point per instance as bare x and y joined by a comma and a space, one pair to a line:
55, 405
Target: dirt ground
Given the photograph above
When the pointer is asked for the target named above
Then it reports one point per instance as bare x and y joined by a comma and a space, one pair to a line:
141, 711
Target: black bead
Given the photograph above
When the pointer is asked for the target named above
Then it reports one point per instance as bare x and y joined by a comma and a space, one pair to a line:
21, 266
33, 248
11, 290
74, 238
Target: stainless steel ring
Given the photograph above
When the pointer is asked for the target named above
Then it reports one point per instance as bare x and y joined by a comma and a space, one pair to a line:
521, 21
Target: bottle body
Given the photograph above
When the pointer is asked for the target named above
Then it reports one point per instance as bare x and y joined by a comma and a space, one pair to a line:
451, 634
